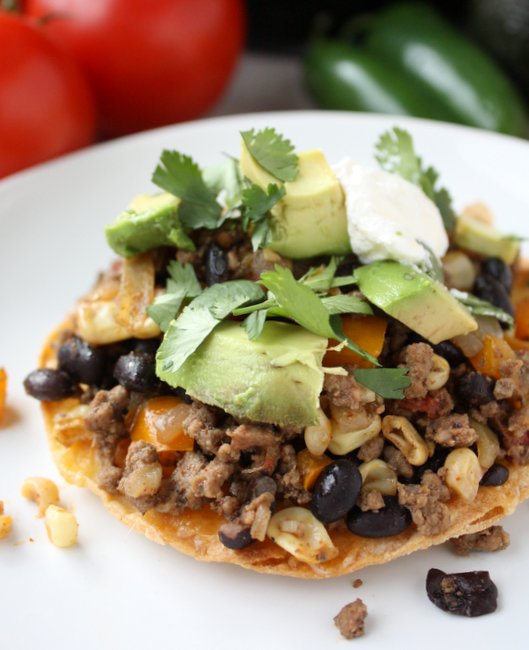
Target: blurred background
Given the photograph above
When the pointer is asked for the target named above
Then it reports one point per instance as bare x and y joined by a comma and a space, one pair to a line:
74, 72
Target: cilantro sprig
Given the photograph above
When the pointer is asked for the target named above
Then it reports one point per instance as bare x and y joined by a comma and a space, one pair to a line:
271, 151
181, 284
396, 153
302, 305
256, 206
389, 383
480, 307
198, 320
181, 176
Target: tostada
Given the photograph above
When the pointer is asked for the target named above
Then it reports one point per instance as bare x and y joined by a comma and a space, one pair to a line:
295, 367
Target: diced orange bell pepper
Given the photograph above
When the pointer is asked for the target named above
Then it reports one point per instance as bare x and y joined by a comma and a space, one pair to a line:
3, 392
310, 467
367, 332
494, 352
521, 319
160, 422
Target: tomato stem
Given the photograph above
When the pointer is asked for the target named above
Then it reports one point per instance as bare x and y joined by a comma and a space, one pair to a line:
11, 5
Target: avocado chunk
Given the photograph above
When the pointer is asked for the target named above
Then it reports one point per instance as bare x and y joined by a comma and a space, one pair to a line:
276, 378
148, 222
413, 298
310, 219
484, 239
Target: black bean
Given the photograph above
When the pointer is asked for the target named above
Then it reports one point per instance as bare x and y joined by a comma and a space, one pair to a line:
136, 371
490, 289
497, 268
49, 384
466, 594
336, 491
434, 463
146, 345
84, 362
215, 265
390, 520
474, 389
495, 476
235, 536
450, 352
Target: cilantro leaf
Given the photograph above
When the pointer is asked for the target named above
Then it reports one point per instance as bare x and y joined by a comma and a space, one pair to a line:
389, 383
182, 284
396, 154
199, 319
181, 176
225, 178
254, 324
481, 307
434, 269
346, 304
320, 278
299, 303
256, 206
272, 152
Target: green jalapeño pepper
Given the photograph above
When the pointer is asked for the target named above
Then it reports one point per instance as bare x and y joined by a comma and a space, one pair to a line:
414, 63
342, 77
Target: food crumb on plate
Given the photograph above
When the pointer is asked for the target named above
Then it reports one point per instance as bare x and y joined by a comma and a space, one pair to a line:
350, 620
492, 539
6, 523
357, 582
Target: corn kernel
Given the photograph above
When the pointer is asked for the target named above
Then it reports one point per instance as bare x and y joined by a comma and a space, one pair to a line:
299, 532
3, 392
61, 526
463, 473
42, 491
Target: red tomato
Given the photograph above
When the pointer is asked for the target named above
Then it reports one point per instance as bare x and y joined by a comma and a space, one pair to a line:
46, 107
150, 63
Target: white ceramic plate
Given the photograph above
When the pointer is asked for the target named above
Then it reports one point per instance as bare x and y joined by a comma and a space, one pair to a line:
118, 590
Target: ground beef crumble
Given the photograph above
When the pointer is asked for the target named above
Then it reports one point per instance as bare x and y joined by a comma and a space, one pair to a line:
351, 619
494, 538
452, 431
397, 461
418, 357
106, 420
371, 449
427, 503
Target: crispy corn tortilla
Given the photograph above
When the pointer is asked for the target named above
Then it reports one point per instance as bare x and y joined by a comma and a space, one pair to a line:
195, 532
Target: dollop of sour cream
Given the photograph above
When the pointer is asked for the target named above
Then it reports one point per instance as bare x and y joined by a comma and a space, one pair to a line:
388, 217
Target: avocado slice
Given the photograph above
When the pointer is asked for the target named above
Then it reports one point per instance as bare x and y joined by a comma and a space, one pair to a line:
276, 378
413, 298
148, 222
310, 219
484, 239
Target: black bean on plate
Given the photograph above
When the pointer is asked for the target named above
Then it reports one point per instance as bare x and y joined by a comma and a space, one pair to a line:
498, 269
235, 536
465, 594
48, 384
474, 389
495, 476
450, 352
336, 490
84, 362
215, 265
390, 520
488, 288
136, 371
